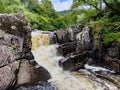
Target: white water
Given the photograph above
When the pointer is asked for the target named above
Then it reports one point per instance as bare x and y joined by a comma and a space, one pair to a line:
46, 56
94, 69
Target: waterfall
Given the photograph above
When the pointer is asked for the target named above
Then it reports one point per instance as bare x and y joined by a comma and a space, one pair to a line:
46, 55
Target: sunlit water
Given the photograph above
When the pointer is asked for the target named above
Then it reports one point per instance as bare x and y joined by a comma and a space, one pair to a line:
46, 56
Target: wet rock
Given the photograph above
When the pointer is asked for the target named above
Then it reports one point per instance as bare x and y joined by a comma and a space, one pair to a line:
67, 48
77, 48
75, 61
28, 56
62, 36
31, 74
53, 38
40, 86
15, 42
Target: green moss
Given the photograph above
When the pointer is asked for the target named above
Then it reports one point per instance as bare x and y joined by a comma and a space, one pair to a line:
13, 47
1, 36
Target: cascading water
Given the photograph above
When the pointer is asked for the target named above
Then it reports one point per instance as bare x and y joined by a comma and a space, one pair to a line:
46, 56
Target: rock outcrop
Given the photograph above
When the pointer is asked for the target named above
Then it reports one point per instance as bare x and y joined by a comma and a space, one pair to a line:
31, 74
15, 38
8, 75
15, 43
76, 45
111, 56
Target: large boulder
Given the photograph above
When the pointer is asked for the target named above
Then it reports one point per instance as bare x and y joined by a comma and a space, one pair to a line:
75, 61
84, 40
15, 38
68, 35
15, 43
31, 74
76, 44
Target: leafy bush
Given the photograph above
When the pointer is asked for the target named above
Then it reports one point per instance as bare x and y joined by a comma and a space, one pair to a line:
111, 37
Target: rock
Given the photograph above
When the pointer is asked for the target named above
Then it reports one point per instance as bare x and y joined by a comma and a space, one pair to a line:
112, 57
15, 38
84, 40
8, 75
72, 32
76, 44
28, 56
15, 43
40, 86
68, 35
11, 48
112, 50
67, 48
74, 61
30, 74
62, 36
16, 25
53, 38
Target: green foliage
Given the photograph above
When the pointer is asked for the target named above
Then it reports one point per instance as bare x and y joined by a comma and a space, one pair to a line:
87, 15
96, 4
105, 19
40, 15
111, 37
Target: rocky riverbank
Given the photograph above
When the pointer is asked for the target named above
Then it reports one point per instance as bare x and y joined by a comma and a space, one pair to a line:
78, 46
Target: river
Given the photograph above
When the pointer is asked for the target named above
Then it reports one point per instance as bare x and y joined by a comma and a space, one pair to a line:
91, 78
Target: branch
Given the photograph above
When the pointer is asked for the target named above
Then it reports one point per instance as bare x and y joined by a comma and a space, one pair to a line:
92, 5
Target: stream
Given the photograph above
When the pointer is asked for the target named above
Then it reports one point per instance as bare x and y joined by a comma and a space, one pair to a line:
91, 78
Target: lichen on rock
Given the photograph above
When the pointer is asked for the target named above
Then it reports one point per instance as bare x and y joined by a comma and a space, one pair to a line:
15, 43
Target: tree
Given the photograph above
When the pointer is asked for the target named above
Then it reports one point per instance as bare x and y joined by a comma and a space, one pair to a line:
113, 5
96, 4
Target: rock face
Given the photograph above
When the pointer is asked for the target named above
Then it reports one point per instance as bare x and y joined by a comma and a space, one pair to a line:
31, 74
8, 76
15, 35
111, 56
75, 61
15, 43
84, 39
76, 45
67, 48
11, 48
